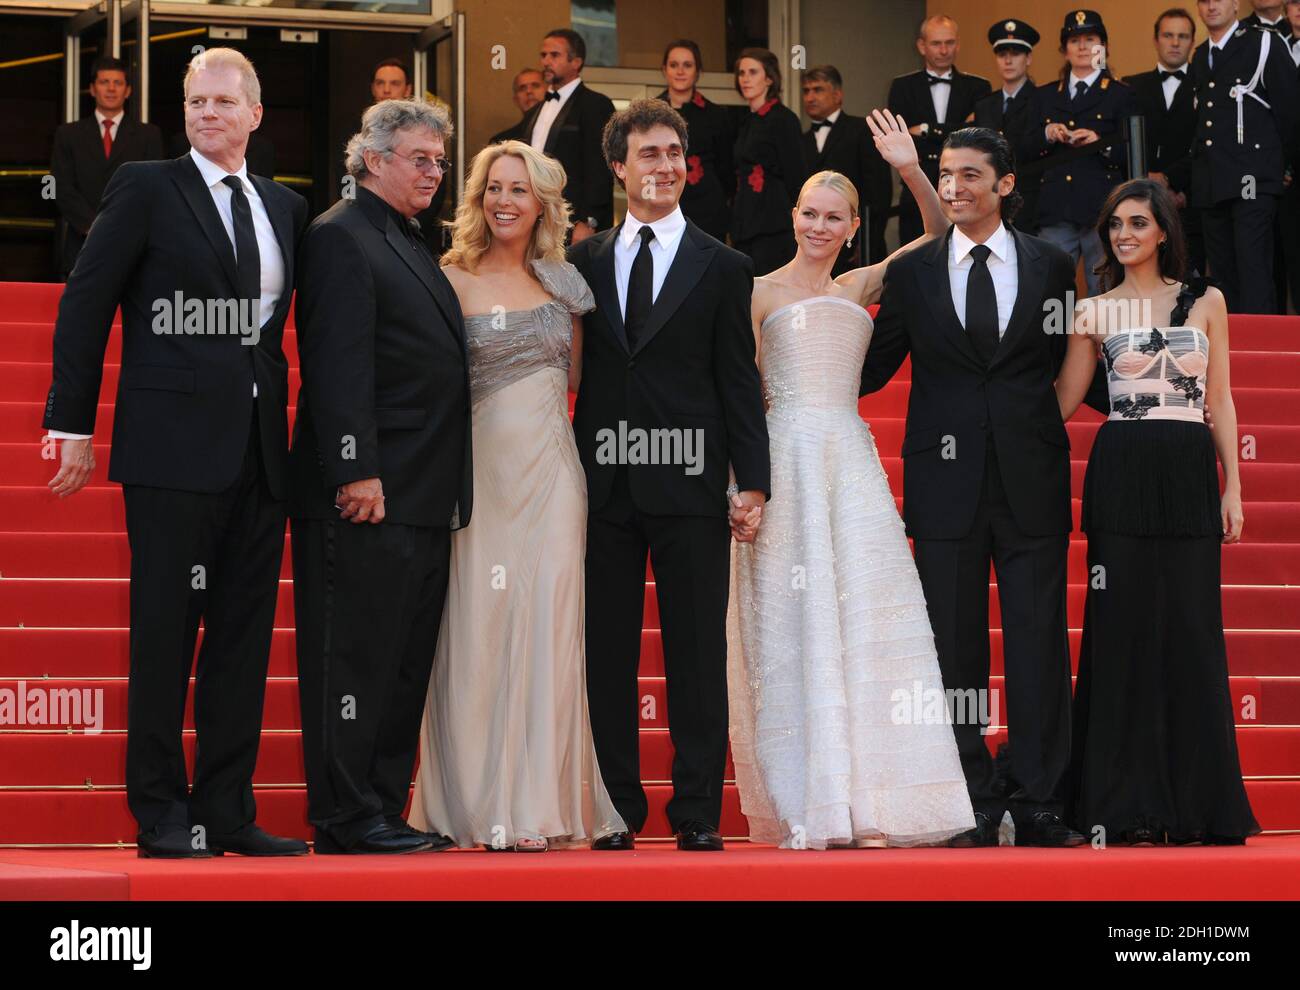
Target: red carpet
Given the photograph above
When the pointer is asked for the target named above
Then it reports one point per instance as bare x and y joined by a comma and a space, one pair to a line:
63, 595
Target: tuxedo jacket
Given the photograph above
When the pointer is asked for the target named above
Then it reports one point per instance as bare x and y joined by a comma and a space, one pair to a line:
184, 401
574, 141
851, 151
385, 377
693, 369
1169, 131
1220, 163
958, 404
1022, 124
81, 172
909, 95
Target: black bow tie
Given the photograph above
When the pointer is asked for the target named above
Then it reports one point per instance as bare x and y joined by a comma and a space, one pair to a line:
1176, 74
817, 125
552, 95
937, 79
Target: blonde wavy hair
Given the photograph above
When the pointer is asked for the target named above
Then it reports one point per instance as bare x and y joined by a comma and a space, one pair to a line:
470, 232
836, 182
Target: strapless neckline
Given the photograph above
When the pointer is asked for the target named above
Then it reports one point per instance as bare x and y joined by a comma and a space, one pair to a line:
798, 302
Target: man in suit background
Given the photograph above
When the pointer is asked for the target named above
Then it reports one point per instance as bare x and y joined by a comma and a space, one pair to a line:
1165, 99
1237, 172
527, 90
381, 474
200, 257
1016, 112
87, 152
986, 473
567, 125
1268, 15
841, 142
670, 346
935, 101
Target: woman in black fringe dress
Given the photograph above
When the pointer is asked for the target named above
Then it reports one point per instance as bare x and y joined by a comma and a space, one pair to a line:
1154, 753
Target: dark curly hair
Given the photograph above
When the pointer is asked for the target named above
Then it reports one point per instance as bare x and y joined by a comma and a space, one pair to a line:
1172, 254
1000, 156
639, 116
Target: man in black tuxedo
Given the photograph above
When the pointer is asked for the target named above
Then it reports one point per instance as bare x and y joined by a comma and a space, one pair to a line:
935, 101
1165, 99
668, 351
381, 474
200, 257
1015, 111
841, 142
87, 152
986, 463
528, 89
1237, 173
567, 125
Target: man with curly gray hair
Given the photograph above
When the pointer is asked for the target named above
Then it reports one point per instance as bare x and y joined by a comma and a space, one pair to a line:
381, 474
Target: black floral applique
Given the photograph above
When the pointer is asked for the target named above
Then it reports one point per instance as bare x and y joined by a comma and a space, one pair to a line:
1135, 407
1188, 385
1154, 345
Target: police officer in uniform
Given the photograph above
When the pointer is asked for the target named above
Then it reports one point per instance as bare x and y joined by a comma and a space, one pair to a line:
1086, 107
1015, 111
1248, 108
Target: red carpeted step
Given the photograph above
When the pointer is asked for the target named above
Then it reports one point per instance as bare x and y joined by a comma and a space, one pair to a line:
40, 882
102, 652
34, 341
56, 759
97, 705
86, 817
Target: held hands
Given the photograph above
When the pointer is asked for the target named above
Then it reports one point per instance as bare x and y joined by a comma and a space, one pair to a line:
361, 501
746, 514
892, 140
77, 466
1061, 134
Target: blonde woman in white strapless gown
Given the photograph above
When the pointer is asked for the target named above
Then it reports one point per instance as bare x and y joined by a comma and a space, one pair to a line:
829, 638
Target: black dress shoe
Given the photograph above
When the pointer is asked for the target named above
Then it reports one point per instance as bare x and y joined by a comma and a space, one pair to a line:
172, 842
383, 838
698, 837
985, 833
252, 841
437, 841
1211, 839
615, 840
1047, 829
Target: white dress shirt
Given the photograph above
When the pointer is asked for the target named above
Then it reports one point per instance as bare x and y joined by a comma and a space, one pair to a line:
267, 246
1002, 268
1171, 84
939, 94
1223, 40
549, 111
821, 134
117, 121
1294, 49
1090, 79
668, 235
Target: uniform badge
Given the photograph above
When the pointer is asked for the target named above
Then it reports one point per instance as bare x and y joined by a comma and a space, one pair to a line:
1080, 17
1010, 25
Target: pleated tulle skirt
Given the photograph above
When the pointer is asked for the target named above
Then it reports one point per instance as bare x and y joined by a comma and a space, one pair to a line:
1154, 743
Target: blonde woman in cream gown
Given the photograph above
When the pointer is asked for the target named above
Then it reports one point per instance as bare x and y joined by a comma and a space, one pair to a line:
506, 758
828, 627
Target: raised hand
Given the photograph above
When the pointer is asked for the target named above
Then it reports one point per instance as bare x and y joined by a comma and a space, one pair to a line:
892, 140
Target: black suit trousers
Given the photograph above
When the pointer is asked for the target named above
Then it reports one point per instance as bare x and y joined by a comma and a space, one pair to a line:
368, 599
1239, 249
691, 560
214, 557
1031, 573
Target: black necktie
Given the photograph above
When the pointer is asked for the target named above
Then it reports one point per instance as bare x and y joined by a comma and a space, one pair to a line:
937, 79
1080, 88
981, 305
1211, 56
1006, 102
640, 289
1178, 74
415, 235
248, 262
552, 95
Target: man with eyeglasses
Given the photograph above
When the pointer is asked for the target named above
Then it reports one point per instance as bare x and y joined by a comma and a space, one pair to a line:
380, 469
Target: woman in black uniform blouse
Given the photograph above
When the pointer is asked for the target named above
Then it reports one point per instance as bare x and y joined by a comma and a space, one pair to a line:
769, 165
710, 176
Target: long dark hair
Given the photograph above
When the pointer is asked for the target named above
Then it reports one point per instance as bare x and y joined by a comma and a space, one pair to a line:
1172, 254
1000, 156
691, 47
